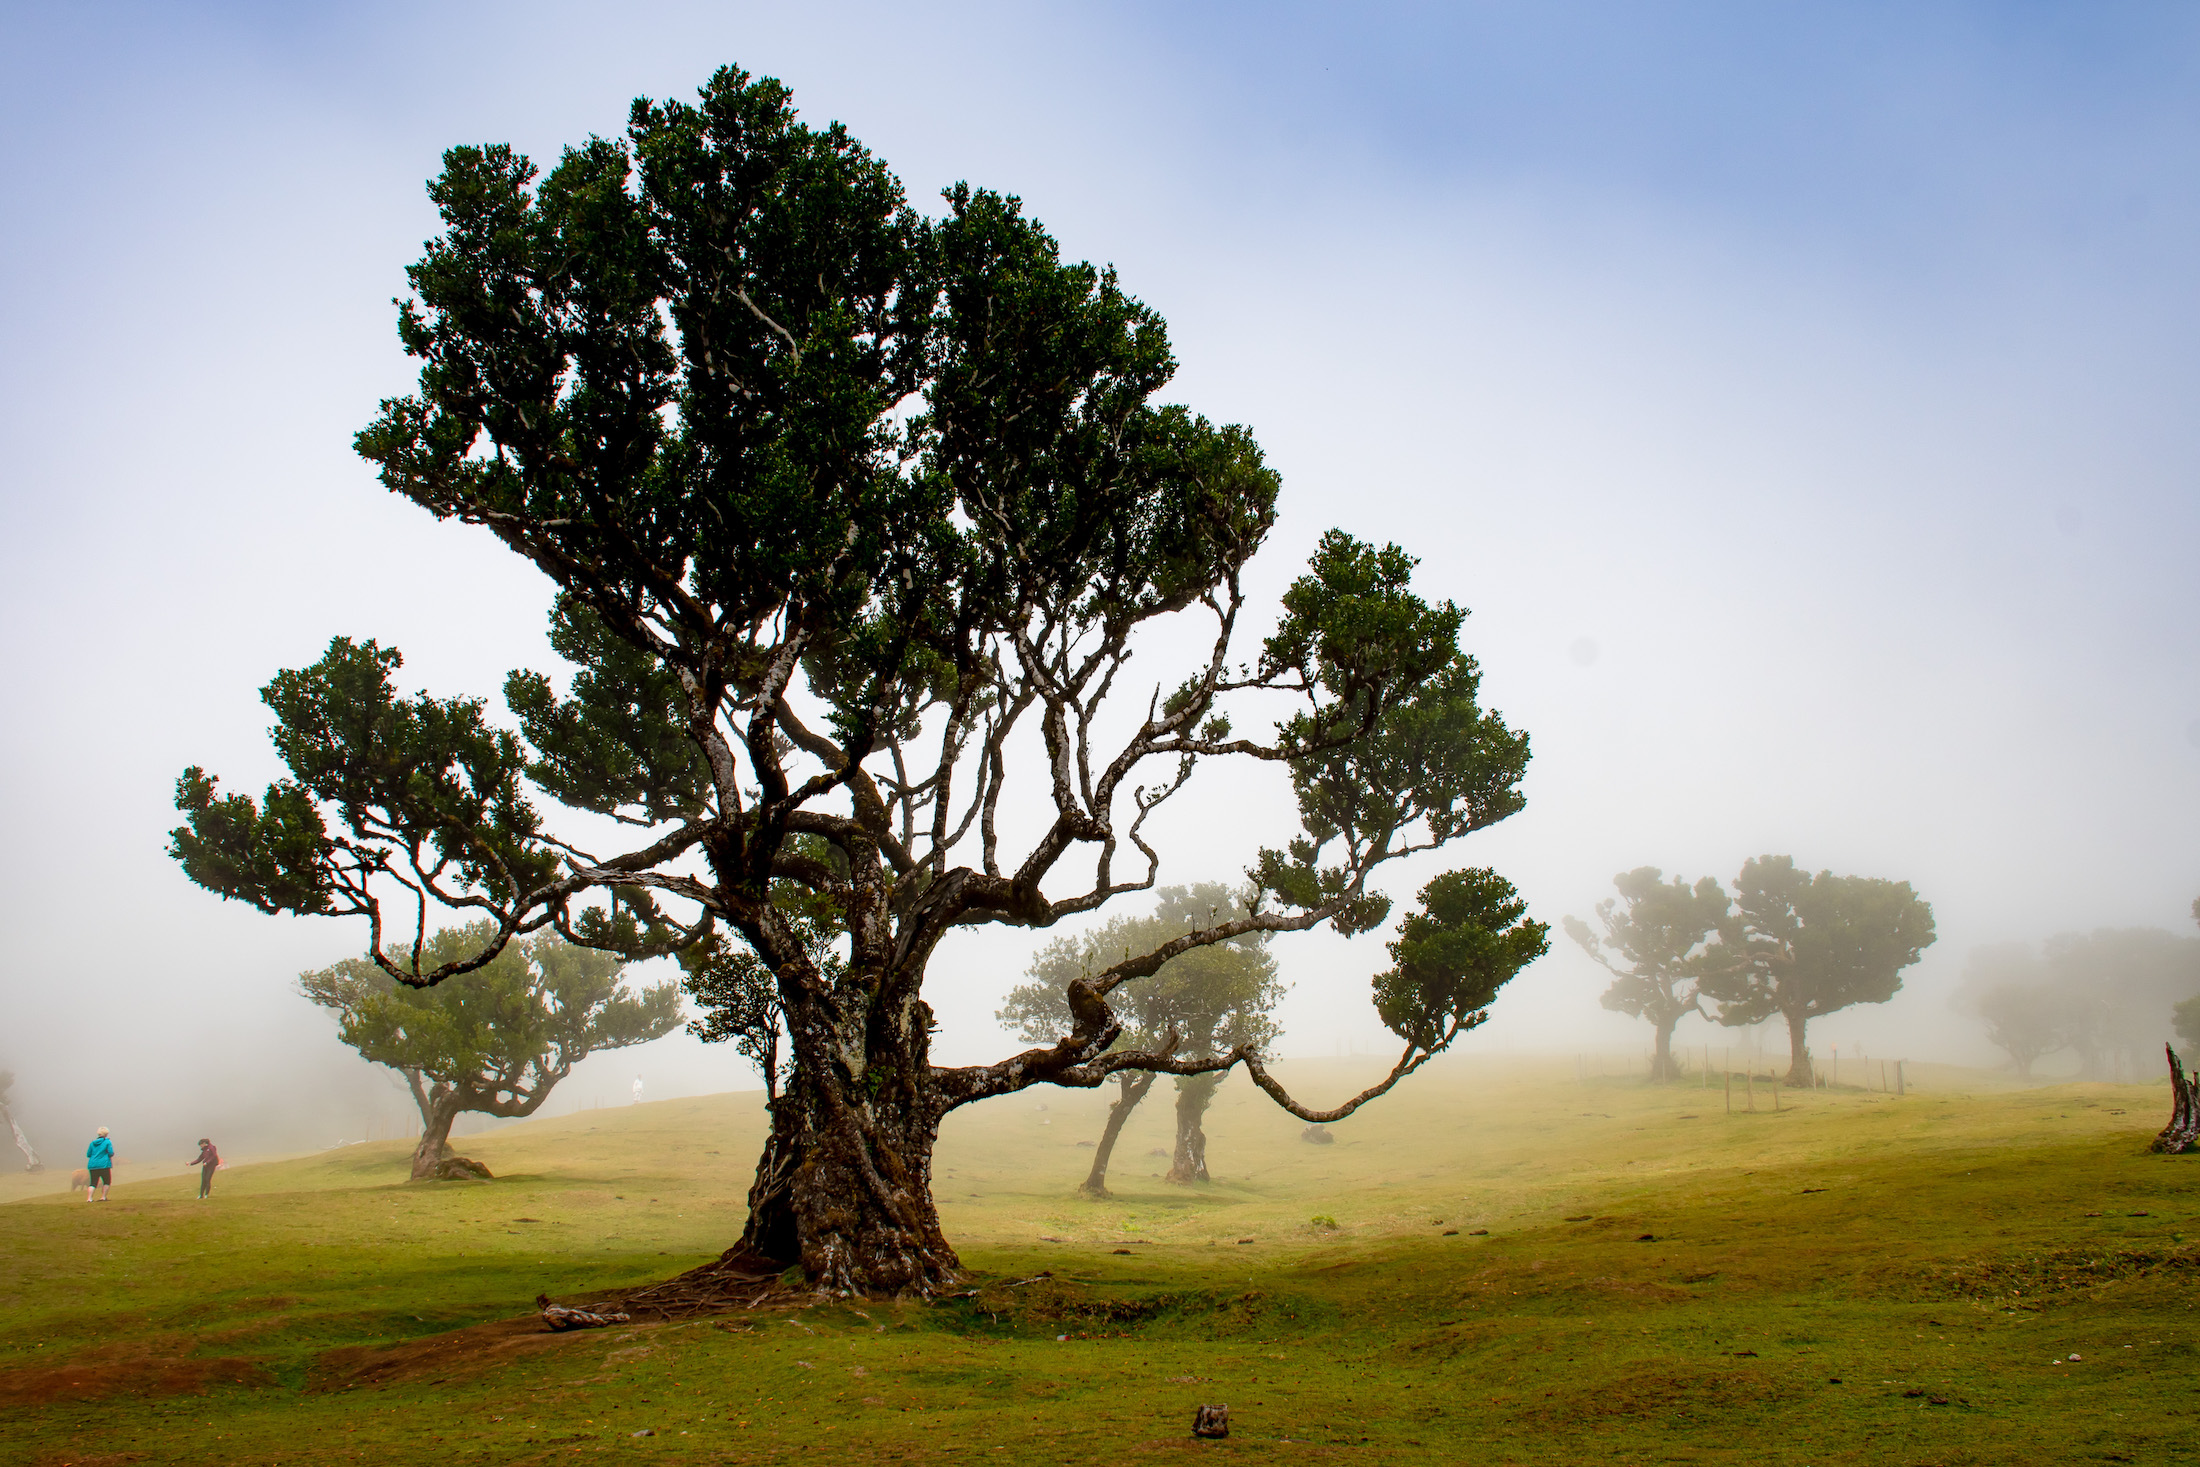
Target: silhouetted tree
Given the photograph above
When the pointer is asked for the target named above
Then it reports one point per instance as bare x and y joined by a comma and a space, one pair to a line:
1659, 931
842, 503
494, 1039
1207, 1001
1802, 946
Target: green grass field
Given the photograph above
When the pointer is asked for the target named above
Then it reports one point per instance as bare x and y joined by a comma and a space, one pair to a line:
1523, 1268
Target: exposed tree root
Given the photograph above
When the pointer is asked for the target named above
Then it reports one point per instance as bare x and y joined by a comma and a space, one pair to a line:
735, 1280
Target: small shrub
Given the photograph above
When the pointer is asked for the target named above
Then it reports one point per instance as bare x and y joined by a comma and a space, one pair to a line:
1323, 1221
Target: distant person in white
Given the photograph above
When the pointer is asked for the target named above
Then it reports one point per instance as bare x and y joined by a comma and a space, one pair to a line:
637, 1089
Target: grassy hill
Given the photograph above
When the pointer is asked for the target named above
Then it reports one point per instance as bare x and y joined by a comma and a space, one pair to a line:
1522, 1268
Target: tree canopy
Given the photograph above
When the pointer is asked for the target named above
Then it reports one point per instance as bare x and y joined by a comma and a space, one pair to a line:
1654, 945
1803, 946
495, 1039
854, 516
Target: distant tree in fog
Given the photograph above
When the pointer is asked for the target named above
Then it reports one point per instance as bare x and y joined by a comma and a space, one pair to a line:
2123, 986
1803, 946
31, 1163
2110, 996
2009, 988
1659, 931
1212, 999
495, 1040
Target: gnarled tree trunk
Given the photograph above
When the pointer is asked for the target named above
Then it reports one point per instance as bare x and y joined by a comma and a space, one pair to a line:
1132, 1086
2184, 1115
844, 1187
439, 1107
1194, 1094
1799, 1073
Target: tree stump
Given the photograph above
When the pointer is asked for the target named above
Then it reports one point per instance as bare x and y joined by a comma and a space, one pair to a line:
458, 1169
2184, 1114
1317, 1136
1212, 1422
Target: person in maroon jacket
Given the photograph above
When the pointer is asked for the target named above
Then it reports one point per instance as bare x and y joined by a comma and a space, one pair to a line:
207, 1159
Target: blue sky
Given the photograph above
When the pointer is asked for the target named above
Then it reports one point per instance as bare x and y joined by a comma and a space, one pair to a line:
1828, 369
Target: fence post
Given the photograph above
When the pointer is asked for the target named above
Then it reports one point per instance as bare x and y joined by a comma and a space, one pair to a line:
1727, 1082
1901, 1081
1749, 1081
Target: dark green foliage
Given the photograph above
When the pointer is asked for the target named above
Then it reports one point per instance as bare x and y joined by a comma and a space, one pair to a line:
616, 747
1469, 938
426, 792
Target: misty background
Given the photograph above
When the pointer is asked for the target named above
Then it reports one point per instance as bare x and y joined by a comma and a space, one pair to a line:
1802, 402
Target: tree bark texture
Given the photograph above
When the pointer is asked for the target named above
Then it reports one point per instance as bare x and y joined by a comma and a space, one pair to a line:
1193, 1096
438, 1109
2184, 1116
1798, 1075
1131, 1088
844, 1187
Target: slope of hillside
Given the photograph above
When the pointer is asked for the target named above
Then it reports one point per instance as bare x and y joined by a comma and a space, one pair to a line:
1496, 1256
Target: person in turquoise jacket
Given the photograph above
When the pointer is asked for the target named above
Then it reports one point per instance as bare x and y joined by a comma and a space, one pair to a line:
99, 1165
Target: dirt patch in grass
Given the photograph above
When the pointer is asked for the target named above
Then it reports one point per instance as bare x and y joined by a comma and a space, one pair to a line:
1677, 1394
460, 1354
2058, 1271
1642, 1289
138, 1368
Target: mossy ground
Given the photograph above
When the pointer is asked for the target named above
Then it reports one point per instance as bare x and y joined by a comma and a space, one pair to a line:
1858, 1278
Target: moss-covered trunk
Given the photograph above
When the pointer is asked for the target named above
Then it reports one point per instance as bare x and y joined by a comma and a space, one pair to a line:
844, 1187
